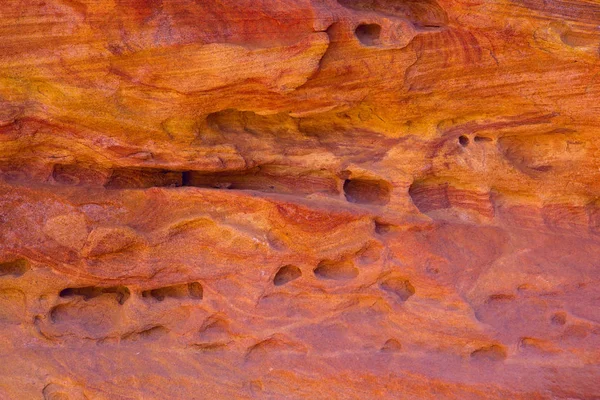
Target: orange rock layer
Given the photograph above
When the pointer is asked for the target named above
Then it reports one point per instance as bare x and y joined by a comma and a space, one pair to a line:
299, 199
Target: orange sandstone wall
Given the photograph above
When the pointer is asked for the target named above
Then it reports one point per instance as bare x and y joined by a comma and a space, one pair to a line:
324, 199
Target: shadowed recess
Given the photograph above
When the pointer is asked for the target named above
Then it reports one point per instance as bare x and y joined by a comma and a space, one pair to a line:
286, 274
401, 288
367, 191
336, 270
14, 268
193, 291
121, 293
490, 353
368, 34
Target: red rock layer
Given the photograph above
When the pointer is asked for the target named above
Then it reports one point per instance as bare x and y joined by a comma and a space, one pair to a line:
299, 199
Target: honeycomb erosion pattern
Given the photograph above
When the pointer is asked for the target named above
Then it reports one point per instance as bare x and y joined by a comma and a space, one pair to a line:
304, 199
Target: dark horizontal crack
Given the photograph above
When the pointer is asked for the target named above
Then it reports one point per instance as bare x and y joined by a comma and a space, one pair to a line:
269, 178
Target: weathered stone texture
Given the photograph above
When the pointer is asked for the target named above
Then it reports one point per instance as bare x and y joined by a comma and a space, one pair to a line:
324, 199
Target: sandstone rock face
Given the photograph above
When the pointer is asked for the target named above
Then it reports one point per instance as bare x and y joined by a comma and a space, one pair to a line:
204, 199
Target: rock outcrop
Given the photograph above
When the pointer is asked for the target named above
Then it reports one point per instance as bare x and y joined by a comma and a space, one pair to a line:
300, 199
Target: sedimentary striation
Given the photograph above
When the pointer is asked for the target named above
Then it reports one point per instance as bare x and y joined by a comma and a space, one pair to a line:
299, 199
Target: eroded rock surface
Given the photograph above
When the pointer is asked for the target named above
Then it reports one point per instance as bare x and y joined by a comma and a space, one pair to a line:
299, 199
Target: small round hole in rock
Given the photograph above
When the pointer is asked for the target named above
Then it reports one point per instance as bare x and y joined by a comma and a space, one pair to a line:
391, 346
559, 318
195, 290
286, 274
400, 287
463, 140
381, 228
368, 34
